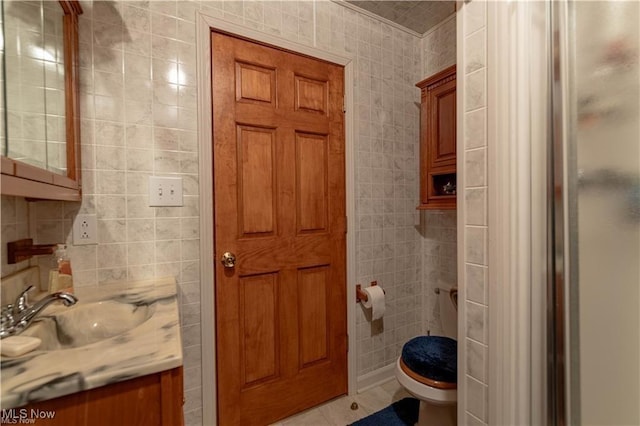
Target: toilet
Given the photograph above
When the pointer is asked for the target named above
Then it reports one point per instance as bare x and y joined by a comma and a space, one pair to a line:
427, 367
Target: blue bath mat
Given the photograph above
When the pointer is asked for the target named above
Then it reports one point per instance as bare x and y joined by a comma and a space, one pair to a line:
400, 413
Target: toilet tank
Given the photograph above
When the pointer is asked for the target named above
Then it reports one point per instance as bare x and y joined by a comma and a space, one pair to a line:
449, 312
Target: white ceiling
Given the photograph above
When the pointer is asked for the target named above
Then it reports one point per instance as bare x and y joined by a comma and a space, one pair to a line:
419, 16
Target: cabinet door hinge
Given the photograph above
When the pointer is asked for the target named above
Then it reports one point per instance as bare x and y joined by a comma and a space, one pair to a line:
346, 224
347, 343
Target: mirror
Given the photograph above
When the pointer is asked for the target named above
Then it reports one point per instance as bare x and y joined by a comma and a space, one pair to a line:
34, 84
40, 123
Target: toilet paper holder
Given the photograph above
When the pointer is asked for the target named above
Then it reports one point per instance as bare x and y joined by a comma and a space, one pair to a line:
361, 296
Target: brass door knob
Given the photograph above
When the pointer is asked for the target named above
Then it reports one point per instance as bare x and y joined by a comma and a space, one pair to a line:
228, 260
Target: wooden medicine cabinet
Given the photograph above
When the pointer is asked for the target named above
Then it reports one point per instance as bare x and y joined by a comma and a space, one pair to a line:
438, 141
40, 130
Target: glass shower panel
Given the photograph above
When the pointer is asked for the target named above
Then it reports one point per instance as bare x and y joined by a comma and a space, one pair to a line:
604, 217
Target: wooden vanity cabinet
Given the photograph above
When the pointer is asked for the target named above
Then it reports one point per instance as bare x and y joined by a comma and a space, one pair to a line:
438, 141
152, 400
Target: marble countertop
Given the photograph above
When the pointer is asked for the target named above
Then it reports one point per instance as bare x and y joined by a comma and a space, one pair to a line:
150, 347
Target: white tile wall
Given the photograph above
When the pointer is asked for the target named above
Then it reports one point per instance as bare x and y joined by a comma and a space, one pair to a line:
388, 243
439, 257
14, 219
439, 47
476, 188
439, 247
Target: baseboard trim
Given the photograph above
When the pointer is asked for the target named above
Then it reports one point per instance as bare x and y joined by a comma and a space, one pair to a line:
376, 377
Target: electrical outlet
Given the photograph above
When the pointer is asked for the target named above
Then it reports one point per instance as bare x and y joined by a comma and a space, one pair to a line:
85, 230
165, 191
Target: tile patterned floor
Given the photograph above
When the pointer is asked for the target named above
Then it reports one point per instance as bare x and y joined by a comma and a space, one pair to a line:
338, 412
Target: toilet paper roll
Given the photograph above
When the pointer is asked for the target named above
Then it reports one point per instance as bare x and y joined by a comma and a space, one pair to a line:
375, 301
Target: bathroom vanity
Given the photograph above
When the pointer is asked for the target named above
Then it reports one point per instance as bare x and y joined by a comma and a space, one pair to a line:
154, 399
113, 358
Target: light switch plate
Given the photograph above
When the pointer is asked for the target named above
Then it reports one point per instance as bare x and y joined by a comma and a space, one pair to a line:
85, 230
165, 191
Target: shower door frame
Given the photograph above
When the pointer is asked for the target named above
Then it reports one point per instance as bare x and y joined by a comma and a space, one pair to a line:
561, 247
568, 351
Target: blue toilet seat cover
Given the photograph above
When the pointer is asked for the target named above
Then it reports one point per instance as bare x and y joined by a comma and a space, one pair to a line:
433, 357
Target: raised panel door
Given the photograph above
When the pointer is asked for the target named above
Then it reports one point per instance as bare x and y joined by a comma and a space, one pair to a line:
279, 206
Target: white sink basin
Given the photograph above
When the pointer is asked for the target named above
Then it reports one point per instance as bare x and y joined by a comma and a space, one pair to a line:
84, 324
115, 332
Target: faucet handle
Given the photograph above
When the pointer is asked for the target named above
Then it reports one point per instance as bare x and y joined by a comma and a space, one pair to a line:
22, 302
7, 315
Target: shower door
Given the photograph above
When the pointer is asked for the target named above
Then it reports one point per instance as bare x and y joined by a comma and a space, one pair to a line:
595, 287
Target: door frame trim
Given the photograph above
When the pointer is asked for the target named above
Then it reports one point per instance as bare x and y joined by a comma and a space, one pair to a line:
204, 25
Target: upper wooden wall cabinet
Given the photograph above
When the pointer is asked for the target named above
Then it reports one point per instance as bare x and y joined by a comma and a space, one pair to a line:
438, 141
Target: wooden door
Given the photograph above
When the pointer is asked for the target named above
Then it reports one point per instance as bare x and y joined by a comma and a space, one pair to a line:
279, 206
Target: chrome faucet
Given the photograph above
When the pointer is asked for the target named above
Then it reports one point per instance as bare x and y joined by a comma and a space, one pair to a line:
17, 317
